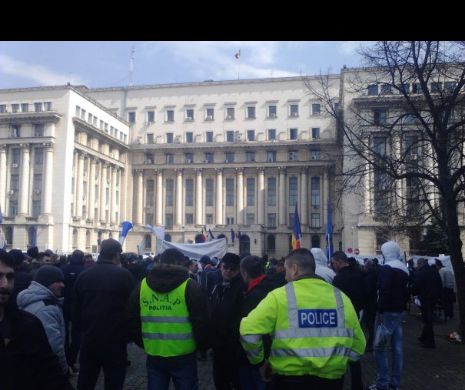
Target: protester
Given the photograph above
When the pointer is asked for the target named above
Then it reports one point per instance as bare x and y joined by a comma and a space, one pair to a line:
43, 299
101, 294
168, 317
322, 267
392, 299
194, 270
370, 279
448, 289
26, 360
23, 275
305, 318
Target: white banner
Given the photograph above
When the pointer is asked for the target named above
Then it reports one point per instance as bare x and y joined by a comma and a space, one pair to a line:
215, 248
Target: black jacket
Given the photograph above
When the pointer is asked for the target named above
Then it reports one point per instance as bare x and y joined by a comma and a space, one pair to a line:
164, 278
392, 289
370, 279
350, 282
71, 272
100, 297
427, 284
226, 306
26, 359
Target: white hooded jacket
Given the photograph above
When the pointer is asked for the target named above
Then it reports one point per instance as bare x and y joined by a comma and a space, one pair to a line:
321, 262
392, 255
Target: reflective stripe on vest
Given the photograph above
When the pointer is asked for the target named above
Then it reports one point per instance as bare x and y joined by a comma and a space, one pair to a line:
166, 330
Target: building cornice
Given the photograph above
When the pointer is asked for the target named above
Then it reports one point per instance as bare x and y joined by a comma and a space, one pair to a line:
27, 117
95, 132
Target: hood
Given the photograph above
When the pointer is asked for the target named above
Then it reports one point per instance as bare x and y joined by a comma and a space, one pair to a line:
397, 264
391, 251
164, 278
320, 257
34, 293
323, 271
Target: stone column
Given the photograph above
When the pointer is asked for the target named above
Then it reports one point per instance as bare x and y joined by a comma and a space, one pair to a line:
325, 195
240, 195
219, 196
159, 201
103, 186
91, 181
303, 197
113, 206
48, 183
282, 196
79, 185
140, 196
3, 174
261, 196
366, 184
24, 189
178, 216
198, 198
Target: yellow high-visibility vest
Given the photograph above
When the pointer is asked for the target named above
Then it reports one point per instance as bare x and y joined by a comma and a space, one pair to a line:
314, 330
166, 330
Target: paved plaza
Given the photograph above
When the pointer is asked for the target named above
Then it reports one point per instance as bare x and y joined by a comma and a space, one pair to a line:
442, 368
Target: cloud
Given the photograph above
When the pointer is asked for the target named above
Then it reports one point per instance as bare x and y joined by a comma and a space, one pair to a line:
349, 48
40, 74
215, 60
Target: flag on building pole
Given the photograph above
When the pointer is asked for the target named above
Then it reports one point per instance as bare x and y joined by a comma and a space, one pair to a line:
238, 54
296, 232
329, 234
211, 234
233, 235
125, 227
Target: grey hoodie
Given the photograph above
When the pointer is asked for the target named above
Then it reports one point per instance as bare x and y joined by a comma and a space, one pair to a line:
321, 262
41, 302
392, 255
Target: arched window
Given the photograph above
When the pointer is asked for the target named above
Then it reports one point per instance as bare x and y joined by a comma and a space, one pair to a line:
271, 243
315, 241
167, 237
244, 245
148, 242
75, 238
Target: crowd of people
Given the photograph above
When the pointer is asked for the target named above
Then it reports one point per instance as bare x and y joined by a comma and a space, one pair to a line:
293, 323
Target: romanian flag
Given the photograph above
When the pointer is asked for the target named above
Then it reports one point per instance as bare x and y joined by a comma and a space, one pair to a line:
296, 232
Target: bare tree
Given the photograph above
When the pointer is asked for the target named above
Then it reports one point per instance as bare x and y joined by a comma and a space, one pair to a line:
402, 128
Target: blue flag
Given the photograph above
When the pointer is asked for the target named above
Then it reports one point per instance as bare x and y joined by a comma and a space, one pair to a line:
233, 235
211, 234
329, 234
126, 226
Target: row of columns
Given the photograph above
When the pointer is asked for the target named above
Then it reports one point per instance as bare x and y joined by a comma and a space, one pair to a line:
219, 204
25, 177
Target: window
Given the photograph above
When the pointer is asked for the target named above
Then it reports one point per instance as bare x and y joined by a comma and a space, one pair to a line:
209, 219
37, 183
48, 106
38, 130
293, 134
250, 135
230, 113
149, 159
190, 114
436, 87
149, 192
189, 158
251, 112
250, 191
315, 192
25, 108
189, 192
169, 116
271, 134
13, 209
150, 138
16, 156
210, 114
373, 90
209, 192
229, 157
386, 89
189, 219
38, 107
315, 132
230, 136
449, 86
14, 108
15, 131
250, 219
293, 188
271, 156
149, 218
293, 155
315, 154
208, 157
150, 116
271, 191
229, 220
316, 242
38, 156
169, 220
169, 138
270, 243
169, 192
229, 192
316, 109
36, 208
379, 117
3, 108
169, 158
411, 145
83, 113
271, 220
14, 183
379, 145
404, 88
293, 110
209, 136
189, 137
416, 88
89, 118
250, 156
315, 220
272, 112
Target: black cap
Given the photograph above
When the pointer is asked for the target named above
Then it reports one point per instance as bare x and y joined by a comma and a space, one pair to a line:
49, 274
231, 259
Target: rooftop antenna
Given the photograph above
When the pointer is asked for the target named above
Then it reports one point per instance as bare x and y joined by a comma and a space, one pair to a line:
131, 66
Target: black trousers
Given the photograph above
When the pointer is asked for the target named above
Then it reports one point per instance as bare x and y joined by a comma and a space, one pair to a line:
356, 375
306, 382
111, 359
225, 370
72, 342
427, 333
448, 299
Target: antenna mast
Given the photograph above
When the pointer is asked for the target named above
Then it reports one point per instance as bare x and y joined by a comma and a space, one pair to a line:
131, 65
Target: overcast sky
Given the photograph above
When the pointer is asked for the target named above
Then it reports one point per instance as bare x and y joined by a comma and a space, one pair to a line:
105, 64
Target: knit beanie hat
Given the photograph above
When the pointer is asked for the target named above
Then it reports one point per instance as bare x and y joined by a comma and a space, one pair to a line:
49, 274
231, 259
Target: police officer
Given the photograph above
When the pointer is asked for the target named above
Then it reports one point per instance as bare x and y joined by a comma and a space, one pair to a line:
314, 330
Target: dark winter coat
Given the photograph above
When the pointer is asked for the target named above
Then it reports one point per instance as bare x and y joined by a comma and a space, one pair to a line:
370, 279
71, 272
350, 281
26, 359
427, 284
101, 295
393, 287
164, 278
